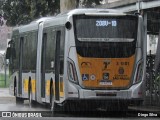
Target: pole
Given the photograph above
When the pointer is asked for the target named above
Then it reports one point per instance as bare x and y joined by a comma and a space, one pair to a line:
139, 7
145, 38
5, 70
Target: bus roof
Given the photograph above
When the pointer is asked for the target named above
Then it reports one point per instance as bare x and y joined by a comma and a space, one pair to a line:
91, 11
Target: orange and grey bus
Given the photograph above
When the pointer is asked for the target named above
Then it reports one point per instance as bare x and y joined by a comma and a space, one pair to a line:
85, 57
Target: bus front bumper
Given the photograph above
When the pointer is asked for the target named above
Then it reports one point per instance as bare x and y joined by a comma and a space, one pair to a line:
134, 92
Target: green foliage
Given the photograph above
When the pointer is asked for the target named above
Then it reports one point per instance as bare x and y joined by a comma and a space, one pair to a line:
157, 80
91, 3
1, 21
18, 12
2, 81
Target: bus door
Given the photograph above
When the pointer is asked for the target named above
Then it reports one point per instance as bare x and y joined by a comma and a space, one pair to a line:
43, 70
20, 65
59, 62
38, 63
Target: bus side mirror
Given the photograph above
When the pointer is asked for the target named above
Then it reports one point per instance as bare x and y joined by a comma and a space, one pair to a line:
68, 25
8, 53
11, 52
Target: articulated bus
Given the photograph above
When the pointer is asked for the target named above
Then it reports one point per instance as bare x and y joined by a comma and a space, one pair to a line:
85, 57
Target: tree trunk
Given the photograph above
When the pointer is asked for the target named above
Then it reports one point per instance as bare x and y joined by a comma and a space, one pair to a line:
66, 5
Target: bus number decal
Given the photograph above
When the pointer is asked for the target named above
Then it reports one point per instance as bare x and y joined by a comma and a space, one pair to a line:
102, 23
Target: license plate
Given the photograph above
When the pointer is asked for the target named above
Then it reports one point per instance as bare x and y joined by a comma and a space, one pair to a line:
105, 83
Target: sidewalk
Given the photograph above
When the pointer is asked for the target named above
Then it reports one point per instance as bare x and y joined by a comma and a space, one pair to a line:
5, 97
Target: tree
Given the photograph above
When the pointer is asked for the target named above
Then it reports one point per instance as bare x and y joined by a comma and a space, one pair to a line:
71, 4
1, 20
40, 8
18, 12
66, 5
90, 3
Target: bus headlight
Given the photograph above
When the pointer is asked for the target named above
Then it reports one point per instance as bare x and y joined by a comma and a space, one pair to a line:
139, 72
72, 74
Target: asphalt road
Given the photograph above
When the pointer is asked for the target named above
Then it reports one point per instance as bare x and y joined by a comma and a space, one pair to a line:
43, 111
8, 104
22, 107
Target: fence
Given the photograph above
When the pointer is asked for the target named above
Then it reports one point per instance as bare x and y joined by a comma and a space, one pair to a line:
152, 83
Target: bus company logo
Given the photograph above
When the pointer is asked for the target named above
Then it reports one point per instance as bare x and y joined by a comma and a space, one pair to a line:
121, 70
106, 63
86, 65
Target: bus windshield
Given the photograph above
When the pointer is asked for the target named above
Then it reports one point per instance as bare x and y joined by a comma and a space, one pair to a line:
105, 36
105, 29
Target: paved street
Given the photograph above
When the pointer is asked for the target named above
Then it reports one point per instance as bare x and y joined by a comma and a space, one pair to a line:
7, 103
5, 97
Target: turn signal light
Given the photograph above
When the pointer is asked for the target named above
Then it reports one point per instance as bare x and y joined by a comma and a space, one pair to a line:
139, 72
72, 74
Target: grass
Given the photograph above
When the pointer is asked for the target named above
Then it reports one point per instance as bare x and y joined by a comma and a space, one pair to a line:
2, 80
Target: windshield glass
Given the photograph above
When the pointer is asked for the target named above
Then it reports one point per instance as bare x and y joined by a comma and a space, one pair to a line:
105, 29
105, 36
